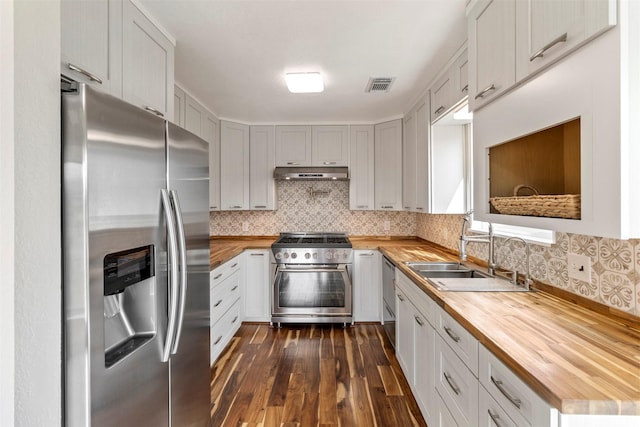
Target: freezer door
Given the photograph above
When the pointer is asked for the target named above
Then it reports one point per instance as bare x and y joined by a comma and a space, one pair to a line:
113, 173
188, 179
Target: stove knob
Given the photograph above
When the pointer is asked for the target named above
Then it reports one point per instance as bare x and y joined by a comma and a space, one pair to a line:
315, 255
307, 255
286, 255
345, 256
294, 255
279, 255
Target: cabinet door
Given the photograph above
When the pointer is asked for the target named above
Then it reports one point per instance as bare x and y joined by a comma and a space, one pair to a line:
460, 78
409, 145
261, 164
548, 30
256, 288
147, 63
194, 116
367, 300
491, 30
441, 96
388, 165
330, 145
178, 106
212, 136
404, 335
91, 43
423, 166
293, 145
424, 357
234, 166
361, 168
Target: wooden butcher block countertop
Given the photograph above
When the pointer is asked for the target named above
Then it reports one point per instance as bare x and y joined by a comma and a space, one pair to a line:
577, 359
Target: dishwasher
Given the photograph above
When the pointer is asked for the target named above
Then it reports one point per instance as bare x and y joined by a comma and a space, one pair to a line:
389, 299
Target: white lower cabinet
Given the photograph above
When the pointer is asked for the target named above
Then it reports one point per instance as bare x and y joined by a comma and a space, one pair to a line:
367, 299
255, 295
490, 414
225, 285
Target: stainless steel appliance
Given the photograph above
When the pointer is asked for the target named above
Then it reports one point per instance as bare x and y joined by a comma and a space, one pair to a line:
389, 299
136, 266
311, 280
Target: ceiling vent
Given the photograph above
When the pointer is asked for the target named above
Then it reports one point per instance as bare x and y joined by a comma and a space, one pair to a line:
379, 84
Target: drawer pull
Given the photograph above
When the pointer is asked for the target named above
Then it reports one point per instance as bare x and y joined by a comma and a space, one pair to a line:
400, 297
217, 276
234, 265
552, 43
234, 319
218, 340
256, 254
234, 288
451, 334
218, 303
516, 402
84, 72
485, 91
451, 383
418, 320
368, 254
494, 418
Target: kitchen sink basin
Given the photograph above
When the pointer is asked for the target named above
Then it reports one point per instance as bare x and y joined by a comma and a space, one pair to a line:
456, 277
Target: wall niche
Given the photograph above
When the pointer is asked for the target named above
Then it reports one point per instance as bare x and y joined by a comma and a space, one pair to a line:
538, 174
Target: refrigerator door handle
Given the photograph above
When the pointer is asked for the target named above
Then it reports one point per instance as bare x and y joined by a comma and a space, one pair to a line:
174, 276
182, 244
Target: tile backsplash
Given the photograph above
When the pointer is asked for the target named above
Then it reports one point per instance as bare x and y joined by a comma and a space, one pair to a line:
324, 206
615, 264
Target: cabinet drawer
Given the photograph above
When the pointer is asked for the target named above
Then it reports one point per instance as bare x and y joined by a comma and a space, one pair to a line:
456, 385
490, 414
461, 341
510, 392
224, 295
425, 305
443, 416
222, 272
222, 331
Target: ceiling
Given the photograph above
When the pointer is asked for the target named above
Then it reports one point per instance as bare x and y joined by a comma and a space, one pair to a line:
232, 55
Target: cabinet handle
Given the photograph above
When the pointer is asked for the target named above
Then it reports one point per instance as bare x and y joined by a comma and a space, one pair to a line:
260, 207
257, 254
420, 209
234, 265
362, 206
218, 340
153, 110
407, 207
400, 297
329, 163
465, 89
217, 276
485, 91
234, 319
494, 418
516, 402
367, 254
85, 73
234, 288
439, 110
213, 207
235, 207
451, 383
418, 320
451, 334
552, 43
386, 206
218, 303
389, 310
293, 163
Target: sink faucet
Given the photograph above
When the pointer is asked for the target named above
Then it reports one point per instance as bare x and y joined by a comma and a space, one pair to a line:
527, 279
488, 238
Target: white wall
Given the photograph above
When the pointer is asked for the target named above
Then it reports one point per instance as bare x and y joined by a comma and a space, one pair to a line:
38, 273
6, 215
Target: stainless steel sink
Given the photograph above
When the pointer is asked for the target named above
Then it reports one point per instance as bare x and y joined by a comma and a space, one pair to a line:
457, 277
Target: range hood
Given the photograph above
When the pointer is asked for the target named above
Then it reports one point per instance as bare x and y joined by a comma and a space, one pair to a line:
310, 173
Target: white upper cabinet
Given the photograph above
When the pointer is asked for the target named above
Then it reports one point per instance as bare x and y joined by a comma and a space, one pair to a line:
361, 168
234, 166
293, 145
423, 158
441, 95
388, 165
548, 30
262, 194
194, 116
451, 88
147, 63
330, 145
460, 77
492, 35
409, 161
211, 134
91, 43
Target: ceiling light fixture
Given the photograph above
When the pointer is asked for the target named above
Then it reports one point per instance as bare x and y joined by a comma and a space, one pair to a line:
304, 82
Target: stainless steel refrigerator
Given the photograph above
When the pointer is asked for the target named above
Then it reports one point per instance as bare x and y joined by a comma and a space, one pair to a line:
136, 266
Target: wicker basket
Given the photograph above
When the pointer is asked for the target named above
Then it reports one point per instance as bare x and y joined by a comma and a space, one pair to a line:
553, 206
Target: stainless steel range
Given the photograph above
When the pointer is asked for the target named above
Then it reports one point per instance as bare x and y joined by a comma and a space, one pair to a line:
311, 280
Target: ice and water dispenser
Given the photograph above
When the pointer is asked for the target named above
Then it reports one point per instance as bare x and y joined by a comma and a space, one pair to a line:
129, 302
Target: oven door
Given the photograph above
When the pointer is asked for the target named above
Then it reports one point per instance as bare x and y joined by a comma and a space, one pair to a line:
312, 291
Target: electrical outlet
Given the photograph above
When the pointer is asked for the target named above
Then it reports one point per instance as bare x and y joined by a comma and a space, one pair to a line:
579, 267
387, 226
245, 226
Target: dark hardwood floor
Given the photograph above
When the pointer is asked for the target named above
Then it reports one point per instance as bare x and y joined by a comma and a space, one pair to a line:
311, 375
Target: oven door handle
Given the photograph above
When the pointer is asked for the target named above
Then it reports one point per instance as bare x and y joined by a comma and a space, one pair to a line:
284, 269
